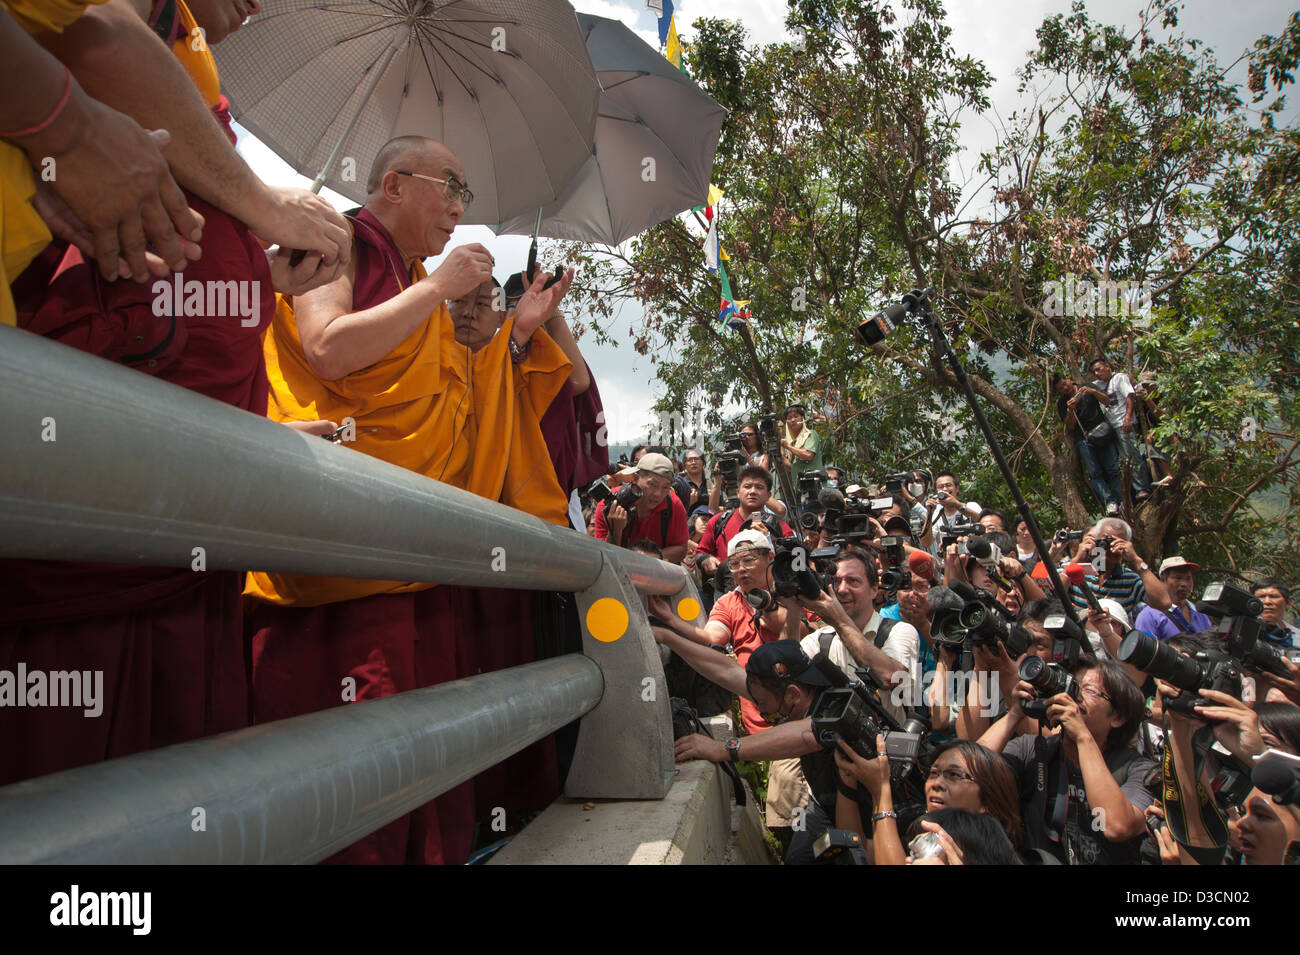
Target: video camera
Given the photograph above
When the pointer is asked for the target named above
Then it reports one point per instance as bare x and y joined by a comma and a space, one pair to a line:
768, 435
851, 711
951, 534
980, 620
896, 575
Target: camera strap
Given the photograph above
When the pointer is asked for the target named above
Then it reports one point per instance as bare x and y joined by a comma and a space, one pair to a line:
1175, 800
1044, 764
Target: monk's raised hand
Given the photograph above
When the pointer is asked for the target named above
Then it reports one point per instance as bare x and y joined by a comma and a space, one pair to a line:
114, 183
297, 219
311, 272
539, 303
465, 268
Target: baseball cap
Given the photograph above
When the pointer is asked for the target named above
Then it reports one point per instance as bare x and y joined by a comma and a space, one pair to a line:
784, 660
652, 463
795, 407
705, 510
1169, 563
900, 526
749, 540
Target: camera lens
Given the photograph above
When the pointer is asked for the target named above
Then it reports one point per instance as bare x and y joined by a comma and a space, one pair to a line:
1160, 660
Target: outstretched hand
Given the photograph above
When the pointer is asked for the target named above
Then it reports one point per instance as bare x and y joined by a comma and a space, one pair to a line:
539, 303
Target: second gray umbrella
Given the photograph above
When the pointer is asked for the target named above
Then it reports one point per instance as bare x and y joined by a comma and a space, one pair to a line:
656, 136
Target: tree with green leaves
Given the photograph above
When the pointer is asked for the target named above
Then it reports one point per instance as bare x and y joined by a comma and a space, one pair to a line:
1133, 164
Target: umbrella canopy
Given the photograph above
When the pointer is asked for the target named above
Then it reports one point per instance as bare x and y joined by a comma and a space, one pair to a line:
648, 110
505, 84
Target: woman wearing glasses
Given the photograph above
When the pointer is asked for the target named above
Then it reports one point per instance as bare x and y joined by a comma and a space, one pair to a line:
961, 775
749, 444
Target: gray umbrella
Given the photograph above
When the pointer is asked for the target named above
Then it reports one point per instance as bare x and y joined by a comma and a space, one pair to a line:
506, 84
648, 110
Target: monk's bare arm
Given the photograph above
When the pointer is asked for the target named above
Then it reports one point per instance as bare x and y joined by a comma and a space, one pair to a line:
338, 340
119, 61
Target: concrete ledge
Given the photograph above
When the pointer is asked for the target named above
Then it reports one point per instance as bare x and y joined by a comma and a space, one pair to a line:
689, 826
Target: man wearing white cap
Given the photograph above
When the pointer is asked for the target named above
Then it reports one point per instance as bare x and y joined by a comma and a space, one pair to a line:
733, 621
1182, 617
658, 515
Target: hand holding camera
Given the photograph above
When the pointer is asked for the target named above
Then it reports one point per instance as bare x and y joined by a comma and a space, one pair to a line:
1236, 725
872, 773
615, 518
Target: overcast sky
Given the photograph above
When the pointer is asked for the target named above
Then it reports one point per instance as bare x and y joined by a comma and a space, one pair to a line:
999, 32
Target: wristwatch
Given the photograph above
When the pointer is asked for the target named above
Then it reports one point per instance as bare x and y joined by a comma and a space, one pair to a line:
1143, 567
733, 749
885, 815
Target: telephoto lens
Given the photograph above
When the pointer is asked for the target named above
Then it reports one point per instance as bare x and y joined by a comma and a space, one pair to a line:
1160, 661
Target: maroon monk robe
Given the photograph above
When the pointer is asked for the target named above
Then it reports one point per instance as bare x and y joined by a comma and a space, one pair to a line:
390, 643
169, 641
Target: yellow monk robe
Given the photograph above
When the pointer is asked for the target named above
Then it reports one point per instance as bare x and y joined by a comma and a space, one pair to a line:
432, 407
22, 232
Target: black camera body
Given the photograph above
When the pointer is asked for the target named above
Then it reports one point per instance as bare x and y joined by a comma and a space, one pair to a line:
1240, 627
981, 620
950, 535
1066, 537
895, 482
768, 436
896, 574
844, 714
1048, 679
792, 571
1191, 674
626, 496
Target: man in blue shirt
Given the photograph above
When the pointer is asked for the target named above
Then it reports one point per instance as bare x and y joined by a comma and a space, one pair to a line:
1182, 617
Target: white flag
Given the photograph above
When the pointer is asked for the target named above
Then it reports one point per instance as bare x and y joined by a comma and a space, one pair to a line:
711, 246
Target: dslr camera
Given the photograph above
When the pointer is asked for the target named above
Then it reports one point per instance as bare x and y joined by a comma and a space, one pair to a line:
1204, 671
626, 496
1240, 627
1048, 679
950, 535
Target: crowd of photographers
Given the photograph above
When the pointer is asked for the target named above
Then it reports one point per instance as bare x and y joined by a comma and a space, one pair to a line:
921, 694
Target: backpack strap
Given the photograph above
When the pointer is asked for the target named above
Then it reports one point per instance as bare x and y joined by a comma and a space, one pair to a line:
664, 517
825, 640
882, 632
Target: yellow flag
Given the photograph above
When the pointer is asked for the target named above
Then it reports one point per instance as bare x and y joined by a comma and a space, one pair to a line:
673, 48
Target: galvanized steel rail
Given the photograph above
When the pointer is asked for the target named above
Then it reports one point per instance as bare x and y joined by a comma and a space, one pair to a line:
103, 463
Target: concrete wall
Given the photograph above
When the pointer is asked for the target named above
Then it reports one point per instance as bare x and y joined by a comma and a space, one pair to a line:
695, 824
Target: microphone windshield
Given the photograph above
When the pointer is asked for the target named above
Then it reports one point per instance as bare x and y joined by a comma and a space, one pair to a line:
919, 563
1076, 572
1276, 776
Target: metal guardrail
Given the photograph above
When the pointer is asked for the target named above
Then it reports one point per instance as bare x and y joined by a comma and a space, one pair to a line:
103, 463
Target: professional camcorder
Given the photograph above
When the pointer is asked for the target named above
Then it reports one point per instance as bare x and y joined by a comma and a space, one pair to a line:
950, 535
980, 620
851, 711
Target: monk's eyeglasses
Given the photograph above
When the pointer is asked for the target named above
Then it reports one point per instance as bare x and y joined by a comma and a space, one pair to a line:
452, 189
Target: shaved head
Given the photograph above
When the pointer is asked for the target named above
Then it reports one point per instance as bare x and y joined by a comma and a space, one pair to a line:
400, 154
412, 190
